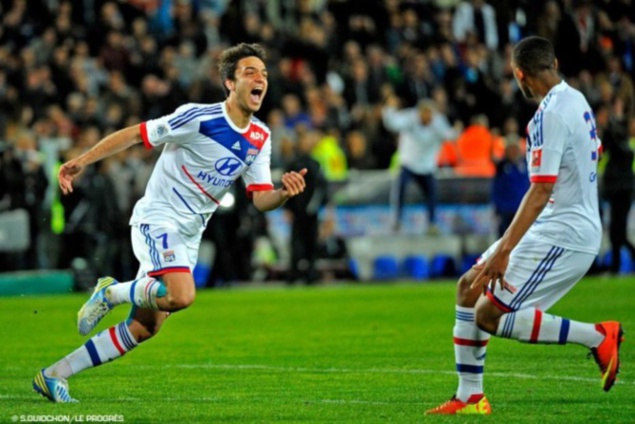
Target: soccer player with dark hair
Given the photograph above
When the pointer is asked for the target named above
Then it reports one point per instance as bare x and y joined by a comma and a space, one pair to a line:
206, 148
549, 246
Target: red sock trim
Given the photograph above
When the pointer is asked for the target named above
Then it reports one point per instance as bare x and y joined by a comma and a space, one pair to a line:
468, 342
113, 336
535, 332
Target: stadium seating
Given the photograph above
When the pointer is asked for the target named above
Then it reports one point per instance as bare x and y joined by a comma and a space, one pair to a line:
415, 267
626, 263
443, 266
366, 250
385, 267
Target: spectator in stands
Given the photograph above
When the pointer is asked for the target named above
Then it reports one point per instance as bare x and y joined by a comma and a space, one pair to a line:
22, 186
418, 80
548, 22
92, 216
510, 184
359, 90
333, 251
357, 154
574, 38
421, 130
476, 18
618, 179
304, 210
294, 114
330, 155
477, 148
282, 139
27, 185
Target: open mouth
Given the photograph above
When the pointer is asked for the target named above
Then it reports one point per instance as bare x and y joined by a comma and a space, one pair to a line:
256, 94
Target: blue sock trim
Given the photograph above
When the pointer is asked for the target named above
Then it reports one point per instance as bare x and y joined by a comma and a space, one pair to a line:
126, 337
92, 351
474, 369
564, 331
132, 288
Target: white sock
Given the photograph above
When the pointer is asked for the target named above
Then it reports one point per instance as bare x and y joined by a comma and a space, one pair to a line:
105, 346
531, 325
469, 351
142, 292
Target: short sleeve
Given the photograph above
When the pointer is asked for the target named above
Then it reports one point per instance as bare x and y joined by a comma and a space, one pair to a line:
173, 127
258, 175
547, 147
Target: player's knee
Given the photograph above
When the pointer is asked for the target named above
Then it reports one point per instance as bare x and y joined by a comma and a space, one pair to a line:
178, 301
465, 296
485, 321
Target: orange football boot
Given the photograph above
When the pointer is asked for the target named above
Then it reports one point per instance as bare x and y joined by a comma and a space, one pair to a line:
475, 405
607, 354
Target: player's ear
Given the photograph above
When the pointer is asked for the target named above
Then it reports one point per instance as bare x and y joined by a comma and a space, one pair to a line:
230, 85
555, 64
519, 74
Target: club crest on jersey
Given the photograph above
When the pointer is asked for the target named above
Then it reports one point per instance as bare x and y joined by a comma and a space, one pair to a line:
249, 159
162, 130
227, 167
169, 256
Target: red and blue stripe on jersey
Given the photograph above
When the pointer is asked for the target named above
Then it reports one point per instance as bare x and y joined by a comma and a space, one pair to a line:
254, 138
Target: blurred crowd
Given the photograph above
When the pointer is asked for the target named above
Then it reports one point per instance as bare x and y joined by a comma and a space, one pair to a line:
73, 72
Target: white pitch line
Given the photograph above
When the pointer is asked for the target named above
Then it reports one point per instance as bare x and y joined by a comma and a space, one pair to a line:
378, 371
352, 401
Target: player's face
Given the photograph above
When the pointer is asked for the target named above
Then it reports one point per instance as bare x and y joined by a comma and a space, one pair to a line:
250, 83
520, 78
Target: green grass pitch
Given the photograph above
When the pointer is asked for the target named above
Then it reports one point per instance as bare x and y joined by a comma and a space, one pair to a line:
345, 353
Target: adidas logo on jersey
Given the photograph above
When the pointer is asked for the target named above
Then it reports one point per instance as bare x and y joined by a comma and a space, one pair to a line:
236, 145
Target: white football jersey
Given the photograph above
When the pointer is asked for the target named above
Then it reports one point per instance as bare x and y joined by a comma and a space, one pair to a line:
204, 154
563, 147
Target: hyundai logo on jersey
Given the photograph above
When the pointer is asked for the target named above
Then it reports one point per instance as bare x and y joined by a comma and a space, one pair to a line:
213, 180
227, 166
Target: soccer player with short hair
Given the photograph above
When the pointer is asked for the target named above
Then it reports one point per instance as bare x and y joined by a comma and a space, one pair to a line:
206, 148
549, 246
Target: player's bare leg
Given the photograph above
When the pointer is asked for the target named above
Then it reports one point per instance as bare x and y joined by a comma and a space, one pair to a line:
106, 346
171, 292
181, 291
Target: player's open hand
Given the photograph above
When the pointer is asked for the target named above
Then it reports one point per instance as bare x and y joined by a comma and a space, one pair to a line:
68, 173
293, 183
492, 271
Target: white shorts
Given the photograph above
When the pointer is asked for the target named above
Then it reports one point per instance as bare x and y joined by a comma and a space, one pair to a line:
161, 250
538, 274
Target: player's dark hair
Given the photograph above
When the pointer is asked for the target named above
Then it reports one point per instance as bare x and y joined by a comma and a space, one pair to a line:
534, 55
230, 57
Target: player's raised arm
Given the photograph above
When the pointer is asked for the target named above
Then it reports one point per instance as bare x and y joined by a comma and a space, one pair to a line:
292, 184
109, 145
